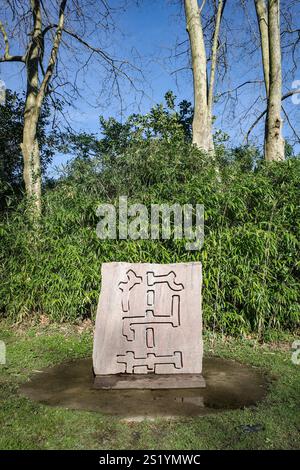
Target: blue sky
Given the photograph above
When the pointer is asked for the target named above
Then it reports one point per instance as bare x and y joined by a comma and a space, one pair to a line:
147, 34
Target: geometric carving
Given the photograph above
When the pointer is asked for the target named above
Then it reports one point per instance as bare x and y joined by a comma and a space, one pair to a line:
126, 286
150, 317
149, 320
150, 361
169, 278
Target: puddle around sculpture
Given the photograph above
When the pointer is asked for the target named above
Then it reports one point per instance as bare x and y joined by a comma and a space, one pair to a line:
229, 385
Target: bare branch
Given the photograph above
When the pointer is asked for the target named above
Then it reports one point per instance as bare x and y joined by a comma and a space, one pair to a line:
82, 41
290, 124
284, 97
214, 53
233, 90
262, 18
180, 70
202, 6
7, 57
291, 31
54, 52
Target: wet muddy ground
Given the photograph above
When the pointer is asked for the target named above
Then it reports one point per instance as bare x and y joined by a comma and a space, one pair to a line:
229, 385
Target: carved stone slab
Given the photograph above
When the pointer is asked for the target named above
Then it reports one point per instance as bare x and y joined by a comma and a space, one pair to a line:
149, 324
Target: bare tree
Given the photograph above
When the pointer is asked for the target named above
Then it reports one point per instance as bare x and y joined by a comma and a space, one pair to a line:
42, 29
268, 15
35, 94
203, 80
244, 103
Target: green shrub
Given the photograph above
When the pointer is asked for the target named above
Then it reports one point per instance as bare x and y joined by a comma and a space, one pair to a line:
250, 254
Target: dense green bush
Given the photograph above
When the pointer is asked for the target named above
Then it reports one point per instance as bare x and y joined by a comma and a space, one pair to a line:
250, 254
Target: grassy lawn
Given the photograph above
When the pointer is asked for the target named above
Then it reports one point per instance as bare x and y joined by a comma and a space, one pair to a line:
28, 425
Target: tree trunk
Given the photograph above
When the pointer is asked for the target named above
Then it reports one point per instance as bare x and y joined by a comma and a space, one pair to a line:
202, 129
34, 99
29, 146
32, 167
263, 24
274, 142
214, 58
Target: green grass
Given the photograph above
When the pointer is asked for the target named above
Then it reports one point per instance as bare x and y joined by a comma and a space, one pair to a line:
28, 425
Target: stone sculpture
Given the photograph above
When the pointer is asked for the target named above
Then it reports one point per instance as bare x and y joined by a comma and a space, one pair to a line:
149, 326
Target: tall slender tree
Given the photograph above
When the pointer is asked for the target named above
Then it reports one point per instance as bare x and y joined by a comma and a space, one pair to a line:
268, 16
203, 79
35, 94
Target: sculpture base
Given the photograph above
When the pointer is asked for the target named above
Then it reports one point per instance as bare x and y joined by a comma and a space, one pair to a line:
149, 381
